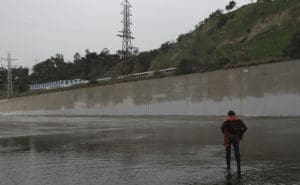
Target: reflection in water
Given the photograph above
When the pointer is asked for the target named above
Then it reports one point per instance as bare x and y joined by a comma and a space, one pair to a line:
233, 179
148, 151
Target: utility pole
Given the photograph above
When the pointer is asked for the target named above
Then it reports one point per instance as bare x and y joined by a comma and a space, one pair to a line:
9, 74
126, 33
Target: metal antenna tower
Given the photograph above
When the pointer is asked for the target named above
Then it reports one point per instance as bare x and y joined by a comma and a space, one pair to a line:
126, 33
9, 74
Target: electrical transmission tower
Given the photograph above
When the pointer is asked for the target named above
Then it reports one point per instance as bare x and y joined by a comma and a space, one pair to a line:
9, 74
126, 33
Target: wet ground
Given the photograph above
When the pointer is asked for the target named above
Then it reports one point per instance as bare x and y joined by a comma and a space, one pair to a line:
144, 151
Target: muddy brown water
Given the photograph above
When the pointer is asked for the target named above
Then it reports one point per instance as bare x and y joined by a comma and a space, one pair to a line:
144, 151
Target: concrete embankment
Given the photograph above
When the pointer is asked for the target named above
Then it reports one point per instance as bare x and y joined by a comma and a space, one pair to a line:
264, 90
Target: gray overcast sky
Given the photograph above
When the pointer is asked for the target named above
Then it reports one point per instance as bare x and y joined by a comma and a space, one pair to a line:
38, 29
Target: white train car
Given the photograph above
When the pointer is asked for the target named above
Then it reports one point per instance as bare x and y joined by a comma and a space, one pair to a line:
104, 79
138, 76
168, 70
57, 84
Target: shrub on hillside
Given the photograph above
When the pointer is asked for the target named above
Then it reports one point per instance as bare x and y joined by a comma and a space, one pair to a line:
165, 47
231, 5
185, 66
123, 68
222, 21
293, 49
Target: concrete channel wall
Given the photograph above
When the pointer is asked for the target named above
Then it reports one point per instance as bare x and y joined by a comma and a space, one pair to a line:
264, 90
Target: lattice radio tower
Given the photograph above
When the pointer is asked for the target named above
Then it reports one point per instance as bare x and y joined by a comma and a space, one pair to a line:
126, 33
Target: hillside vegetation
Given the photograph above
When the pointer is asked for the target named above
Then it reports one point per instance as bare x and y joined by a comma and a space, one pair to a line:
255, 33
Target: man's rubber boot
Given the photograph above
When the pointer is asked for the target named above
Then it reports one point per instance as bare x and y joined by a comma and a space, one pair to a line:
228, 165
239, 167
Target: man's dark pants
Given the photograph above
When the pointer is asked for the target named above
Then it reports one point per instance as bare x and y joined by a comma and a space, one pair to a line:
235, 142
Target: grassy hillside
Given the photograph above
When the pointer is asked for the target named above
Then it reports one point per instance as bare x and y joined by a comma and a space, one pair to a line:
254, 33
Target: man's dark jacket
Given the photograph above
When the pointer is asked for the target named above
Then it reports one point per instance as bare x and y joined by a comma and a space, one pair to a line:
234, 128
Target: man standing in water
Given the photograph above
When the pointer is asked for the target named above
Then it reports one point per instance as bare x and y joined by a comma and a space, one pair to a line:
233, 130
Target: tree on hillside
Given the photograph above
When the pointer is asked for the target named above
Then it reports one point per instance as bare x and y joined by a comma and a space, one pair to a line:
216, 13
3, 75
231, 5
21, 79
105, 51
77, 58
93, 65
185, 66
3, 79
166, 46
143, 60
51, 69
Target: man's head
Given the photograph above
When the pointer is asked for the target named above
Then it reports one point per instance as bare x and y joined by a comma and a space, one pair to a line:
231, 113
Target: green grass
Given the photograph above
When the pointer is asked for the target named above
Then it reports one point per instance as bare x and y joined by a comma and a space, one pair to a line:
242, 38
271, 43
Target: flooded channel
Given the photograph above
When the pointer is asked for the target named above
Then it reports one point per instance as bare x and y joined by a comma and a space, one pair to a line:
144, 151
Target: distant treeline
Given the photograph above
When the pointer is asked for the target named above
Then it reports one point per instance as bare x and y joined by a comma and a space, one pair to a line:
90, 67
